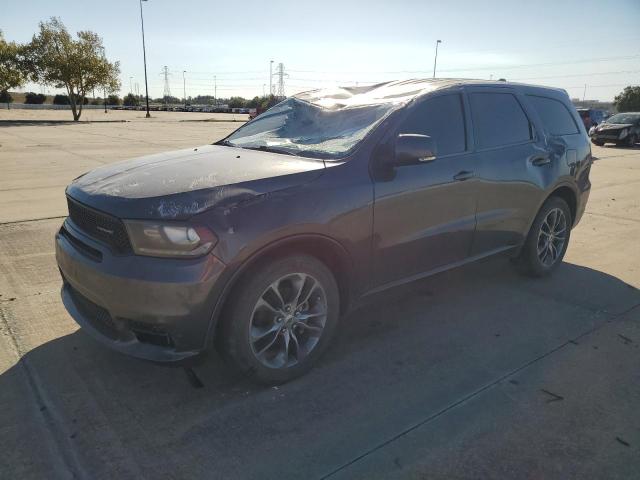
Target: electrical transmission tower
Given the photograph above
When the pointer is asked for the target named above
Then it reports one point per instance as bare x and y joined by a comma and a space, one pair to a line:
280, 73
167, 90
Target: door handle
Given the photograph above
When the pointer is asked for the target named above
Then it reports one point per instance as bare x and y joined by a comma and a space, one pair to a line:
541, 160
463, 175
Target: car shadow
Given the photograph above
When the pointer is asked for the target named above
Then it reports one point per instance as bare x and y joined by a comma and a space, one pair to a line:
50, 123
399, 355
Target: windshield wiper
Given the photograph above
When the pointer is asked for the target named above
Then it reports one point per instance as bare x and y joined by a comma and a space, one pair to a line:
266, 148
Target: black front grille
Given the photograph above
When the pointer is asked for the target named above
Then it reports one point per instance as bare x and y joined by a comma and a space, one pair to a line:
94, 314
100, 226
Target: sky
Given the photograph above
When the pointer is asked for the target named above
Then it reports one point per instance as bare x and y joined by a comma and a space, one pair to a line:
561, 43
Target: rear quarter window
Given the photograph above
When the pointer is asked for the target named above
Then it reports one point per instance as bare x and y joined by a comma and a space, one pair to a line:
554, 114
498, 119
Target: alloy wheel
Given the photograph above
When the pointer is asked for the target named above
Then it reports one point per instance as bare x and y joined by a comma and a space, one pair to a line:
552, 237
288, 320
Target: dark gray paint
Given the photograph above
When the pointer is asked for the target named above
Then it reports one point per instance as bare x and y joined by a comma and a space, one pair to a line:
386, 225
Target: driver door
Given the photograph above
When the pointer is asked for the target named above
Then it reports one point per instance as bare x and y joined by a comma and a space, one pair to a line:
424, 214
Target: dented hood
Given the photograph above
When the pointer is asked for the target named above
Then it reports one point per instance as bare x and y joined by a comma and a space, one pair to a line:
177, 185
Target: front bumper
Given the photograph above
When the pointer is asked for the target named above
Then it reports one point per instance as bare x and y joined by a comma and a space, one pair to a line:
157, 309
607, 136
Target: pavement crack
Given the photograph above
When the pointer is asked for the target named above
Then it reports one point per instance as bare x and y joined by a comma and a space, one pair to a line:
554, 396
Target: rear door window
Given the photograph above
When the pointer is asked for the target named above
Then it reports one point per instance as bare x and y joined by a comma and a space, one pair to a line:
442, 118
554, 114
498, 119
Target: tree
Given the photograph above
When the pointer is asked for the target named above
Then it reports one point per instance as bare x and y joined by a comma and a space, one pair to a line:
113, 100
5, 97
34, 98
628, 100
237, 102
54, 58
268, 102
131, 100
11, 68
61, 100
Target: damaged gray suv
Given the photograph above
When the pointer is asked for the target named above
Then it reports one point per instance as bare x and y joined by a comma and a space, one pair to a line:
258, 243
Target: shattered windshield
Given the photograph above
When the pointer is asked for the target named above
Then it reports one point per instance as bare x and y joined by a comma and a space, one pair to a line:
301, 128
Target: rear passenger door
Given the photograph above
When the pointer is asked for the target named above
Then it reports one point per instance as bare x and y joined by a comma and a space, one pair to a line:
508, 155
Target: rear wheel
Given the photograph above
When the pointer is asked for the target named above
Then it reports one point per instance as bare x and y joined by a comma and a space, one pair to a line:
281, 318
547, 240
632, 140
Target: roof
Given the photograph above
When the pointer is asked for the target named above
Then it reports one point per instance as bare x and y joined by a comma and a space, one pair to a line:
397, 92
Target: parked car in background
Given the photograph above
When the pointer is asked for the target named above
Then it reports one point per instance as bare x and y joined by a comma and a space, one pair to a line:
258, 243
621, 129
591, 117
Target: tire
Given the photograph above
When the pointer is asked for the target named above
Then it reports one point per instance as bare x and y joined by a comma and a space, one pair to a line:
266, 341
598, 143
631, 142
531, 261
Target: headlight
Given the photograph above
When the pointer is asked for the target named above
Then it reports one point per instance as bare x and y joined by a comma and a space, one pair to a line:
624, 133
155, 239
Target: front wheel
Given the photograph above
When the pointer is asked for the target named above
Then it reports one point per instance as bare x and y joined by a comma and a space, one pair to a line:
597, 142
281, 318
547, 240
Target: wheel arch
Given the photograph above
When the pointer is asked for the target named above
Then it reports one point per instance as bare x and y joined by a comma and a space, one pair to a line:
326, 249
569, 195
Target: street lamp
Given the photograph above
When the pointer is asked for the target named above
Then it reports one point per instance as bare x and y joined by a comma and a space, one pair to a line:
184, 88
435, 60
144, 55
270, 77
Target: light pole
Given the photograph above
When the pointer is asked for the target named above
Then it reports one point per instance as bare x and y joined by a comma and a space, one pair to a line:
435, 60
263, 86
215, 90
270, 77
131, 85
184, 88
144, 55
105, 100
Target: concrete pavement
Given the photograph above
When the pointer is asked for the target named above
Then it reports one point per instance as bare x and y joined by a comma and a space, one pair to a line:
474, 373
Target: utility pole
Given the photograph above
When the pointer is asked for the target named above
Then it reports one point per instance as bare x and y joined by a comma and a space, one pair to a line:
435, 60
215, 90
584, 94
131, 85
144, 53
280, 73
270, 77
184, 88
167, 90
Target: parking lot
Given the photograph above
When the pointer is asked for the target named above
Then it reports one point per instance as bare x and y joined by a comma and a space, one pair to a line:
473, 373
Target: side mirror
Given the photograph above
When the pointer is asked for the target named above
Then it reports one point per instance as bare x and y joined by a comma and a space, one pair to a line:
412, 148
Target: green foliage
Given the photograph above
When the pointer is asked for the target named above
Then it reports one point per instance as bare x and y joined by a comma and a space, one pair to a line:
53, 57
61, 100
97, 101
113, 100
34, 98
5, 97
131, 100
11, 67
628, 100
236, 102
